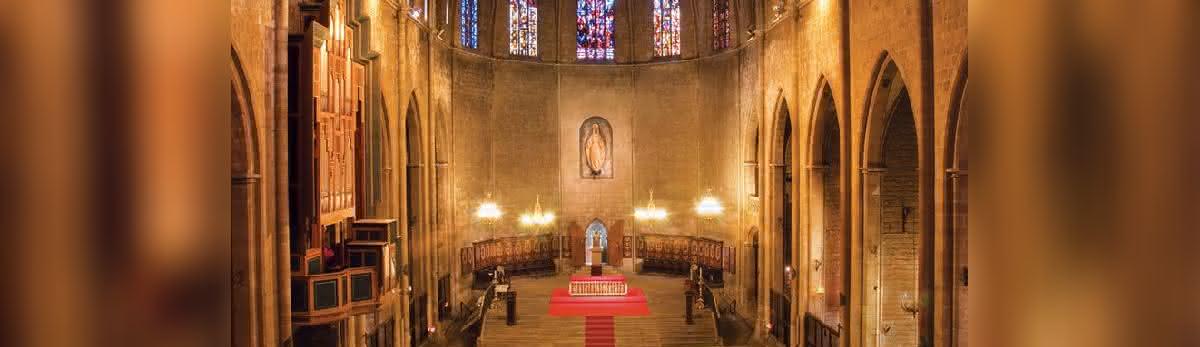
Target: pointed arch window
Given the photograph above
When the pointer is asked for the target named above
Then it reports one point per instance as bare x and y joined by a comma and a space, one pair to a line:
594, 30
468, 23
522, 27
666, 28
722, 29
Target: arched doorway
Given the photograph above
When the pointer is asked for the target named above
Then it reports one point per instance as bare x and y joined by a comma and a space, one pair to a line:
781, 176
596, 228
892, 300
828, 240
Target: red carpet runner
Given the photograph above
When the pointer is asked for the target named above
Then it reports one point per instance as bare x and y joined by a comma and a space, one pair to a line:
598, 331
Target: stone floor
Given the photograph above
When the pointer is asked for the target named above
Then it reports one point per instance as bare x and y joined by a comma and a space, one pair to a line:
665, 326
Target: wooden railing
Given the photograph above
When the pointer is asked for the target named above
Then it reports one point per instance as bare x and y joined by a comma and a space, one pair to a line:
328, 297
518, 255
598, 288
676, 254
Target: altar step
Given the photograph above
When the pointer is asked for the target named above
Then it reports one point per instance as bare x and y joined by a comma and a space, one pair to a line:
665, 326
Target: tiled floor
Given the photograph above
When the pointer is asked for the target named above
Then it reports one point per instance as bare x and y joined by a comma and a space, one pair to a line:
665, 326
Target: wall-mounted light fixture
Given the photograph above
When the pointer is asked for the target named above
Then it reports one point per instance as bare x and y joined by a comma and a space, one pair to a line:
908, 304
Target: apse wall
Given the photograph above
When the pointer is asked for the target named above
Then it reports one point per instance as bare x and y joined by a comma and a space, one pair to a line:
676, 129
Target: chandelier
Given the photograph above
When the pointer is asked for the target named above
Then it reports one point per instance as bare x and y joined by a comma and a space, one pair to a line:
709, 207
488, 212
650, 212
537, 218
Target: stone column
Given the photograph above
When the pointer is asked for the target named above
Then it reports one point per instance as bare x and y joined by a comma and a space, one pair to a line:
871, 220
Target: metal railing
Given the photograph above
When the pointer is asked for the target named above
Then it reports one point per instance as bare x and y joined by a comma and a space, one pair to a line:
818, 334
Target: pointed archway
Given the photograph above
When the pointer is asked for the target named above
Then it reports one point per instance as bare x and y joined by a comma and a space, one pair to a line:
828, 239
782, 236
953, 300
248, 321
894, 301
416, 270
594, 229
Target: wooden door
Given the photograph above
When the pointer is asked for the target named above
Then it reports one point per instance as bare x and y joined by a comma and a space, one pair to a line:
577, 247
615, 234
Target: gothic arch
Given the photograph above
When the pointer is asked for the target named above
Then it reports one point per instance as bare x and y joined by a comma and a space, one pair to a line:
416, 239
413, 161
828, 238
781, 267
954, 297
887, 87
245, 215
596, 226
896, 295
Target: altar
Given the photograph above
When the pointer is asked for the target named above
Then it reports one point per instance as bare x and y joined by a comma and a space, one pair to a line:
608, 295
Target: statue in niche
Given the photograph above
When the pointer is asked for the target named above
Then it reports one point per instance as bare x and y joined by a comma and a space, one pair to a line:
594, 147
595, 141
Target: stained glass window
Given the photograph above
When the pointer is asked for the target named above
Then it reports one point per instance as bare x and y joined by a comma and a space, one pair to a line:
722, 30
666, 28
594, 30
522, 27
468, 23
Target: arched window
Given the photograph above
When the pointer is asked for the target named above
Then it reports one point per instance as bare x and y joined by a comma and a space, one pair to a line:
594, 30
522, 27
468, 23
722, 30
666, 28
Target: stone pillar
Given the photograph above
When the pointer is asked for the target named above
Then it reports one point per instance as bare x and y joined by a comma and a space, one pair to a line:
872, 178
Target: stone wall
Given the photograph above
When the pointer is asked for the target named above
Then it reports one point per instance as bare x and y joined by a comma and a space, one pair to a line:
900, 224
516, 136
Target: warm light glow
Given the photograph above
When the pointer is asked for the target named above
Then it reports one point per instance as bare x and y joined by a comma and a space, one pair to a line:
709, 206
488, 210
537, 218
650, 212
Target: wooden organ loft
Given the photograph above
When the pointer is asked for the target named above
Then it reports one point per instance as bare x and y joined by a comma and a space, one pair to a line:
341, 266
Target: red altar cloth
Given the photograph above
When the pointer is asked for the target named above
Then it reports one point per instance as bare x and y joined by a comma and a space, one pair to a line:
631, 304
611, 278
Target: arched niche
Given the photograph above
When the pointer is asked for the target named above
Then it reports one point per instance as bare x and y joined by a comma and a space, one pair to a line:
892, 300
415, 241
828, 239
376, 166
781, 278
596, 148
595, 228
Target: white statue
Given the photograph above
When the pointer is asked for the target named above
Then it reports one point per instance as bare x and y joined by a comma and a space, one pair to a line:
596, 150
